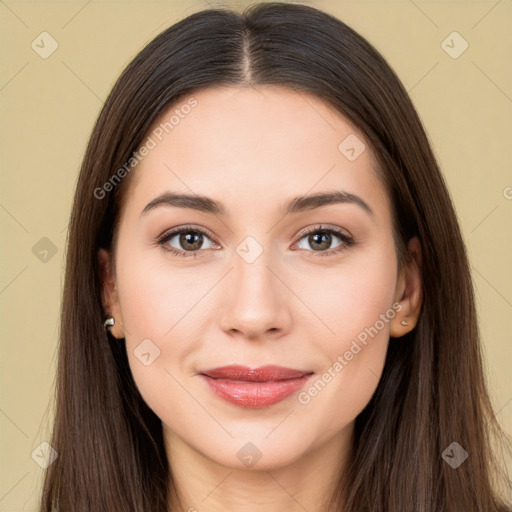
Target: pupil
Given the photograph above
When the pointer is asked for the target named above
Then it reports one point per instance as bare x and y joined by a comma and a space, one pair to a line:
189, 240
322, 237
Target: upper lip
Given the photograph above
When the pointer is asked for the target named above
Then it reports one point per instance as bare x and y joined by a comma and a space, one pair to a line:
261, 374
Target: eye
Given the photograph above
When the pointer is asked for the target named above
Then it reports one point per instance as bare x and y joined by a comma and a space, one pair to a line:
186, 241
320, 240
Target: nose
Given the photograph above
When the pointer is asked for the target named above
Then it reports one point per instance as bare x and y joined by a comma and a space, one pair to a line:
257, 303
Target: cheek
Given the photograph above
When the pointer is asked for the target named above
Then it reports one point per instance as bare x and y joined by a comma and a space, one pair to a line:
158, 298
352, 296
356, 308
159, 307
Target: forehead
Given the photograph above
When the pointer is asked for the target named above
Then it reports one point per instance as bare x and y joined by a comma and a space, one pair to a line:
252, 147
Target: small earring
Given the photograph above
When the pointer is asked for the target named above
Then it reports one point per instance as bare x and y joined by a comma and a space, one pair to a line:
404, 322
109, 322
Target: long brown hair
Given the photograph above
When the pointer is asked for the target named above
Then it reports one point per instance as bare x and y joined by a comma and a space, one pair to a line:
432, 391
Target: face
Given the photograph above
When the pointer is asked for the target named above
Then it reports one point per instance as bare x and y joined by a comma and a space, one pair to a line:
254, 275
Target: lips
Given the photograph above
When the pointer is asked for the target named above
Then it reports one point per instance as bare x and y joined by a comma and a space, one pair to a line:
254, 387
262, 374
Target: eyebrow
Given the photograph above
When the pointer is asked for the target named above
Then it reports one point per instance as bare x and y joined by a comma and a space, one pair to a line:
295, 205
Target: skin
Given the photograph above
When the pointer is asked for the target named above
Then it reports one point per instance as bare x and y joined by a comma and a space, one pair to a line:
254, 149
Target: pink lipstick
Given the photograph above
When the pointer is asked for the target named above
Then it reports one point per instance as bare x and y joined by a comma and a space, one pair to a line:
254, 387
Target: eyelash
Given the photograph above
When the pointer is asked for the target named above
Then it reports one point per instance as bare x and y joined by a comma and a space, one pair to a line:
347, 240
162, 241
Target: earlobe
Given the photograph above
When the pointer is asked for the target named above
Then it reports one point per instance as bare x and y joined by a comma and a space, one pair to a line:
409, 292
109, 296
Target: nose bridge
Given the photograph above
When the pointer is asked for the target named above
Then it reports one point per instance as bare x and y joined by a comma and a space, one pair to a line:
255, 303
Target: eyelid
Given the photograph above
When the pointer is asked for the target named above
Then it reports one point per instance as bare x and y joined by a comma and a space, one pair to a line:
347, 240
171, 233
187, 227
324, 227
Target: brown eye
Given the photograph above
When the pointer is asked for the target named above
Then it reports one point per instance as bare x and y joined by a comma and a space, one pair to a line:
191, 241
186, 240
320, 241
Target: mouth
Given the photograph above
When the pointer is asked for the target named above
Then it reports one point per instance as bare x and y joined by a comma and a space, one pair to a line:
254, 388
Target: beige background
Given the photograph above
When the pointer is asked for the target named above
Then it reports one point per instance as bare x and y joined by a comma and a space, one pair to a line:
48, 107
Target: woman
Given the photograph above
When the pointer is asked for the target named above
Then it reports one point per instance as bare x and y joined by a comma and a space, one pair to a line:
266, 287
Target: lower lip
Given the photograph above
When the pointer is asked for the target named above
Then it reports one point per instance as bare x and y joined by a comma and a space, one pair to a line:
255, 395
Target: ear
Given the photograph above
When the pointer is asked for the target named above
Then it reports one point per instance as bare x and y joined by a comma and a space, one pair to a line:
408, 292
109, 295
